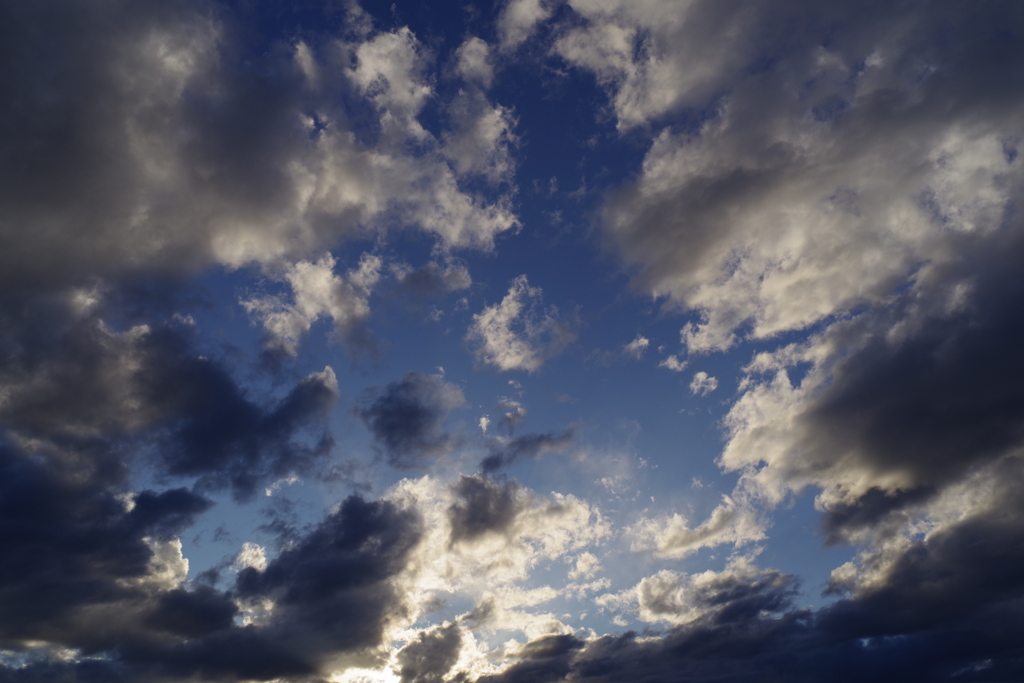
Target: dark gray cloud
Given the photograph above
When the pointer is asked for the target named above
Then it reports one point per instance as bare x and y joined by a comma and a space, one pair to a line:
432, 280
78, 562
482, 506
887, 422
530, 446
429, 657
80, 569
71, 378
332, 590
407, 418
543, 660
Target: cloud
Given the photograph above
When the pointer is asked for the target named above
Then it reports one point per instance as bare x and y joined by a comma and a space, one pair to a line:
511, 335
432, 279
482, 506
331, 591
474, 62
636, 347
86, 566
737, 593
317, 292
519, 19
702, 384
407, 418
674, 364
73, 380
775, 198
504, 452
895, 404
672, 537
157, 154
432, 655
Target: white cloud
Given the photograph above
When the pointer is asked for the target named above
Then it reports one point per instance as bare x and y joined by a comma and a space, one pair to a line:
678, 598
512, 335
702, 384
587, 565
492, 569
672, 537
267, 185
316, 292
390, 70
474, 62
637, 347
674, 364
519, 18
251, 555
657, 55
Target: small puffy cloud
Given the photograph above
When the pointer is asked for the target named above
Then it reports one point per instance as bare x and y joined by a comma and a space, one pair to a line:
673, 537
483, 506
674, 364
504, 452
251, 555
586, 566
514, 335
407, 418
316, 292
702, 385
636, 347
481, 138
519, 18
474, 62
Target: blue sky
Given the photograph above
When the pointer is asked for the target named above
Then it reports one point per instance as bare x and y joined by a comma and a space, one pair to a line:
535, 340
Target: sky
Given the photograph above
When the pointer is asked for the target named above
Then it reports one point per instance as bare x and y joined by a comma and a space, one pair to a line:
528, 340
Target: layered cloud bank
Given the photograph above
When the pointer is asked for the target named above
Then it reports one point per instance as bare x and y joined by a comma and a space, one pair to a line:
823, 207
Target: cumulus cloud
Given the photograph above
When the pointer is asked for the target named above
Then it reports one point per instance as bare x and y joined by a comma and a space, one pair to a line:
674, 364
71, 378
738, 591
407, 418
519, 18
730, 522
87, 568
473, 62
637, 347
431, 656
316, 292
702, 384
808, 188
156, 155
513, 335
